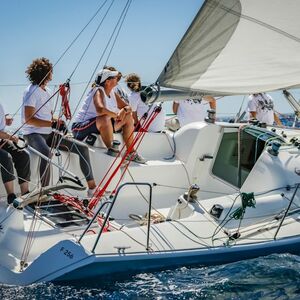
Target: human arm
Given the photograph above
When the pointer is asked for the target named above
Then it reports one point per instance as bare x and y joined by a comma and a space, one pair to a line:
122, 104
135, 117
212, 101
252, 114
125, 109
6, 136
175, 107
31, 119
277, 120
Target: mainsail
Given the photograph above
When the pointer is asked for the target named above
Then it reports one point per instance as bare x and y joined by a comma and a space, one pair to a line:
238, 47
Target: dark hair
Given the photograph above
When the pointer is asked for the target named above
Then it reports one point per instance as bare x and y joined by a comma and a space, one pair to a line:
39, 71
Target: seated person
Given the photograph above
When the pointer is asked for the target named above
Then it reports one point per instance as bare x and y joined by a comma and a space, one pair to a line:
139, 108
193, 110
38, 119
118, 88
10, 155
104, 112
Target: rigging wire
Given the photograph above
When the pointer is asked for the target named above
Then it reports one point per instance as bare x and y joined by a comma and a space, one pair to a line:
65, 51
125, 10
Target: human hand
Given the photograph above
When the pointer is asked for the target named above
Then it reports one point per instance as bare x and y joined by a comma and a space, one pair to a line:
121, 115
8, 120
59, 125
13, 138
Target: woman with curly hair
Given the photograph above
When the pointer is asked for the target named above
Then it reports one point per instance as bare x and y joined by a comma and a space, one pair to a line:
139, 108
38, 121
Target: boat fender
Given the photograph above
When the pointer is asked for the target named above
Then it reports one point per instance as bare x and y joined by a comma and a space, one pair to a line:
216, 211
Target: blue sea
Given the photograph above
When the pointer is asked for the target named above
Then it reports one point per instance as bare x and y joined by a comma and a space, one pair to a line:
271, 277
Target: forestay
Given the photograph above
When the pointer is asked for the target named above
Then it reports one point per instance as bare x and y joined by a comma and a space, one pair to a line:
238, 47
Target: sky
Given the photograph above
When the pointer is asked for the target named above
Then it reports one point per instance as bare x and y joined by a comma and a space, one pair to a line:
149, 35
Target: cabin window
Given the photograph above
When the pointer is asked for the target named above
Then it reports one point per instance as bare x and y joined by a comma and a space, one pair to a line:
253, 141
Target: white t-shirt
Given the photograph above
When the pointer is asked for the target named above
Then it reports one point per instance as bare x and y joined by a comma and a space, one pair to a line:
140, 107
263, 105
35, 96
2, 118
88, 109
191, 110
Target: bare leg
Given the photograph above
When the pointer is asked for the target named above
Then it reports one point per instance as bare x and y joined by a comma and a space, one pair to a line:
105, 128
127, 125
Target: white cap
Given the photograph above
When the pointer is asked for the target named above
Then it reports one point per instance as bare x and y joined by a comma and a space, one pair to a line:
103, 74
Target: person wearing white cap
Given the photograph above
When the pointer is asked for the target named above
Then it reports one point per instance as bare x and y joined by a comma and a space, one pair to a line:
104, 112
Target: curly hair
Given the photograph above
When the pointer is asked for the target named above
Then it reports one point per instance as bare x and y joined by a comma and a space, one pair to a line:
133, 82
39, 71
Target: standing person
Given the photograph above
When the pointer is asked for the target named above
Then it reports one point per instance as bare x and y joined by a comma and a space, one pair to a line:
139, 108
9, 156
38, 118
193, 110
261, 107
104, 112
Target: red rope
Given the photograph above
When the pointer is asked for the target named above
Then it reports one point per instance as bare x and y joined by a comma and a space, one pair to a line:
100, 191
64, 91
139, 137
77, 204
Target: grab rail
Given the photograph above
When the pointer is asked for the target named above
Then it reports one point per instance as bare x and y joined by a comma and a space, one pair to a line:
110, 209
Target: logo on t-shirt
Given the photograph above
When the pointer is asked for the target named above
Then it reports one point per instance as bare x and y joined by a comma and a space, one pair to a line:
193, 101
264, 102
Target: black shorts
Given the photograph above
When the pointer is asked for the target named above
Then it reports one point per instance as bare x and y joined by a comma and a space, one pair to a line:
83, 129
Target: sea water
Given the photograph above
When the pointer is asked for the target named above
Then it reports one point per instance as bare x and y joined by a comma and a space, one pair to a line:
272, 277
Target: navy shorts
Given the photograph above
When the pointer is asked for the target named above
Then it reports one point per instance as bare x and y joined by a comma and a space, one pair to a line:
83, 129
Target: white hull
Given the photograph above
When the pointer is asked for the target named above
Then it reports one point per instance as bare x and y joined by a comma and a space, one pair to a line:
186, 232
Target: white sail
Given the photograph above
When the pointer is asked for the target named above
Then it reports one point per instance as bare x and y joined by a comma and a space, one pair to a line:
238, 47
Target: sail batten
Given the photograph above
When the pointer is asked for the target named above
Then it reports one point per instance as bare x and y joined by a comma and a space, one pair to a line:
238, 47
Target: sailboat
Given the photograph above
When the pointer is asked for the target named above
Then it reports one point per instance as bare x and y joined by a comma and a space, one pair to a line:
210, 193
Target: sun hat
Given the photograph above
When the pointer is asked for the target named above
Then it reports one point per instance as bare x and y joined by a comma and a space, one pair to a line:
103, 74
